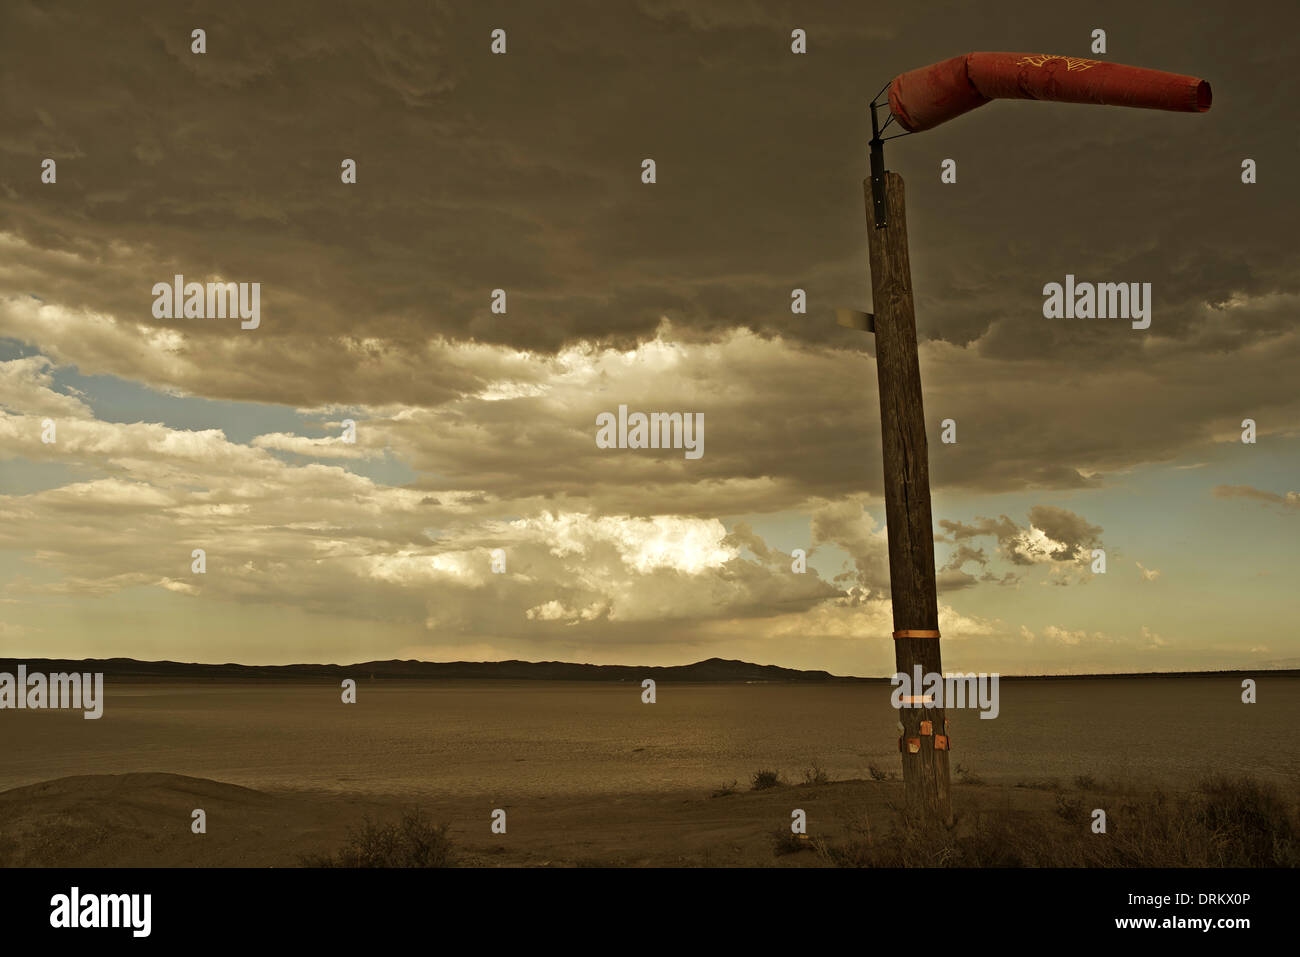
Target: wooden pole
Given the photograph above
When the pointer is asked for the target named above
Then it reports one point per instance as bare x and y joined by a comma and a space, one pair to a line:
926, 783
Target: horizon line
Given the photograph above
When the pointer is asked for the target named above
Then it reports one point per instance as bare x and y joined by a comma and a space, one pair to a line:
702, 661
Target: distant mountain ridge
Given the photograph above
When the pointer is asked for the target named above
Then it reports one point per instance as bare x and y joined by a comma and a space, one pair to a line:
709, 670
718, 670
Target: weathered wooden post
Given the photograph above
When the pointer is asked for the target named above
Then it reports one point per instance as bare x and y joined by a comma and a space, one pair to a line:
924, 740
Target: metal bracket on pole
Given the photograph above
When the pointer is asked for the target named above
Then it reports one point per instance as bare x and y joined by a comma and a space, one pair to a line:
854, 319
879, 206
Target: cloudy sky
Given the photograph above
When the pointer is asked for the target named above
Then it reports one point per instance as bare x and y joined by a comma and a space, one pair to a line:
476, 430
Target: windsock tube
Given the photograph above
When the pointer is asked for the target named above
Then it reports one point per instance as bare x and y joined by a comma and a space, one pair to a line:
922, 99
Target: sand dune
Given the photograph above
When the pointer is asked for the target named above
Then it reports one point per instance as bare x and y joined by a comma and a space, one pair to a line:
144, 820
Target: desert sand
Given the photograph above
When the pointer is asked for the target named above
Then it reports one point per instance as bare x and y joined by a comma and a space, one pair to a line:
143, 820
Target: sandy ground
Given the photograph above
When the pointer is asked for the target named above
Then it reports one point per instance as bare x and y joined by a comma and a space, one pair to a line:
143, 820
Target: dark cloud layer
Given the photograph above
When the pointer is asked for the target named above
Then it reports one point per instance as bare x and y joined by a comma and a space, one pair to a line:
522, 171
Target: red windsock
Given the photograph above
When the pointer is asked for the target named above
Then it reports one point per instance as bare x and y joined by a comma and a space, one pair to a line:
924, 98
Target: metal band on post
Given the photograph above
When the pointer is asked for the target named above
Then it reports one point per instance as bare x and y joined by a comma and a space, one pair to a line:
880, 207
916, 633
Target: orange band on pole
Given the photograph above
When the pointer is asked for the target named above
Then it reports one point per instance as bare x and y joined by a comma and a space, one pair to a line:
916, 633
